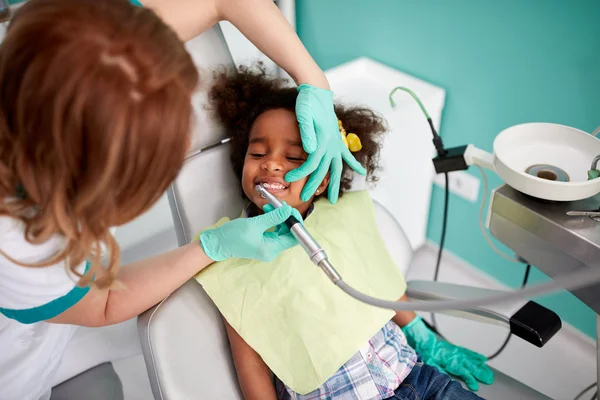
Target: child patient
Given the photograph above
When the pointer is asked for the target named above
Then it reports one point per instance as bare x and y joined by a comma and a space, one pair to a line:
286, 318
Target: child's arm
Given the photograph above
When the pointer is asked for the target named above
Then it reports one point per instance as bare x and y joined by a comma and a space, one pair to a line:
253, 374
403, 318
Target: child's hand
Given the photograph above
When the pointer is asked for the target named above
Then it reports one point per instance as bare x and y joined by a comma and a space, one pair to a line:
282, 229
448, 358
322, 141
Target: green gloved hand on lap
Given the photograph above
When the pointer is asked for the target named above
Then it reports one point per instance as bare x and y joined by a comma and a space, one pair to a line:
454, 360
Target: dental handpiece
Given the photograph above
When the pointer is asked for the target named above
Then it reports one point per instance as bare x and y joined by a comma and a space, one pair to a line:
309, 244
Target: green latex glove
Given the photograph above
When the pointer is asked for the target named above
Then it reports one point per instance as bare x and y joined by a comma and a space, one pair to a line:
283, 228
593, 174
448, 358
248, 237
322, 141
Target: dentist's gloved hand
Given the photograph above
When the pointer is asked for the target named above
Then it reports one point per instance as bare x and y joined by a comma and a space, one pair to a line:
248, 237
283, 228
322, 141
448, 358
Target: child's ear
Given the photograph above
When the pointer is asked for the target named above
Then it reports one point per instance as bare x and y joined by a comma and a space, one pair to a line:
323, 186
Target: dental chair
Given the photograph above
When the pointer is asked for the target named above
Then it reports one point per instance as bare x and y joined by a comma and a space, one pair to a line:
184, 342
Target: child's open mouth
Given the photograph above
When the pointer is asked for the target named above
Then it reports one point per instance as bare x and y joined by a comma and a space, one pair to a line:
272, 185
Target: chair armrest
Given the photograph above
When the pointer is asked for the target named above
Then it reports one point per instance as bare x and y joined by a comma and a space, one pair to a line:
527, 319
186, 349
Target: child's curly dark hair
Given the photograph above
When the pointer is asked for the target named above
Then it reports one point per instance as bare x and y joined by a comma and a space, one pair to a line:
239, 96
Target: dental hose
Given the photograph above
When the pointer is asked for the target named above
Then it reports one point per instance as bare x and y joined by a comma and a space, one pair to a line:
441, 151
437, 141
317, 255
567, 282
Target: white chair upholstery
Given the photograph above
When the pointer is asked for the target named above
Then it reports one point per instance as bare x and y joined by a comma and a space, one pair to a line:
183, 339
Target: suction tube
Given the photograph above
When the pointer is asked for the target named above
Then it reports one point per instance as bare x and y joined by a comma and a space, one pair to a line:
317, 255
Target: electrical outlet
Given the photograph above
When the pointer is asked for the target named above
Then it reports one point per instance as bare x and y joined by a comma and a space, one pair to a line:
461, 184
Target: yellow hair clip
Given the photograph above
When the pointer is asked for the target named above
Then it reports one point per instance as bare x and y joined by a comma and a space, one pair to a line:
351, 141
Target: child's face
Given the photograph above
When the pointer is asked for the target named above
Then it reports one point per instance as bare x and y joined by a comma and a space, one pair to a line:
274, 149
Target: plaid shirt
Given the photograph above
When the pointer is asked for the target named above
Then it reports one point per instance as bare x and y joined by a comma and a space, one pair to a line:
373, 373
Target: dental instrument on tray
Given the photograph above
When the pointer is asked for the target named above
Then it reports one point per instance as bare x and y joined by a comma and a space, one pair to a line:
319, 258
584, 213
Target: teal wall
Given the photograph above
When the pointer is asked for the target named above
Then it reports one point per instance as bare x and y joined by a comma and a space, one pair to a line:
501, 62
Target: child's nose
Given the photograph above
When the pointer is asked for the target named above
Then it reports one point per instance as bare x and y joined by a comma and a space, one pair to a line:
273, 164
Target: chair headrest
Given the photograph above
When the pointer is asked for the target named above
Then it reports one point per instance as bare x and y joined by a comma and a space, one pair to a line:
208, 51
205, 191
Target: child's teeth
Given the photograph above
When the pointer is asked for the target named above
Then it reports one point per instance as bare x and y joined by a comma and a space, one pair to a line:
275, 186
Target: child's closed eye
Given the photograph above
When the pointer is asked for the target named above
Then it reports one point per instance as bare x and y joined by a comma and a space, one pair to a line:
296, 159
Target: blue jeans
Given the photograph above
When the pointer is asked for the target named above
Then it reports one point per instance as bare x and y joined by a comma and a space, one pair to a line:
428, 383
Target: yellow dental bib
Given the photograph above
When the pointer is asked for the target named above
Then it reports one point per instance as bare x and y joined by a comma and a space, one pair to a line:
289, 312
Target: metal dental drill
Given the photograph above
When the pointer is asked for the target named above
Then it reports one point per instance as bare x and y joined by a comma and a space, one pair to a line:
315, 252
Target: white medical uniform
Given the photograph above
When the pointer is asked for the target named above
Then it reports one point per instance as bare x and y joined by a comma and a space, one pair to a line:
31, 349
